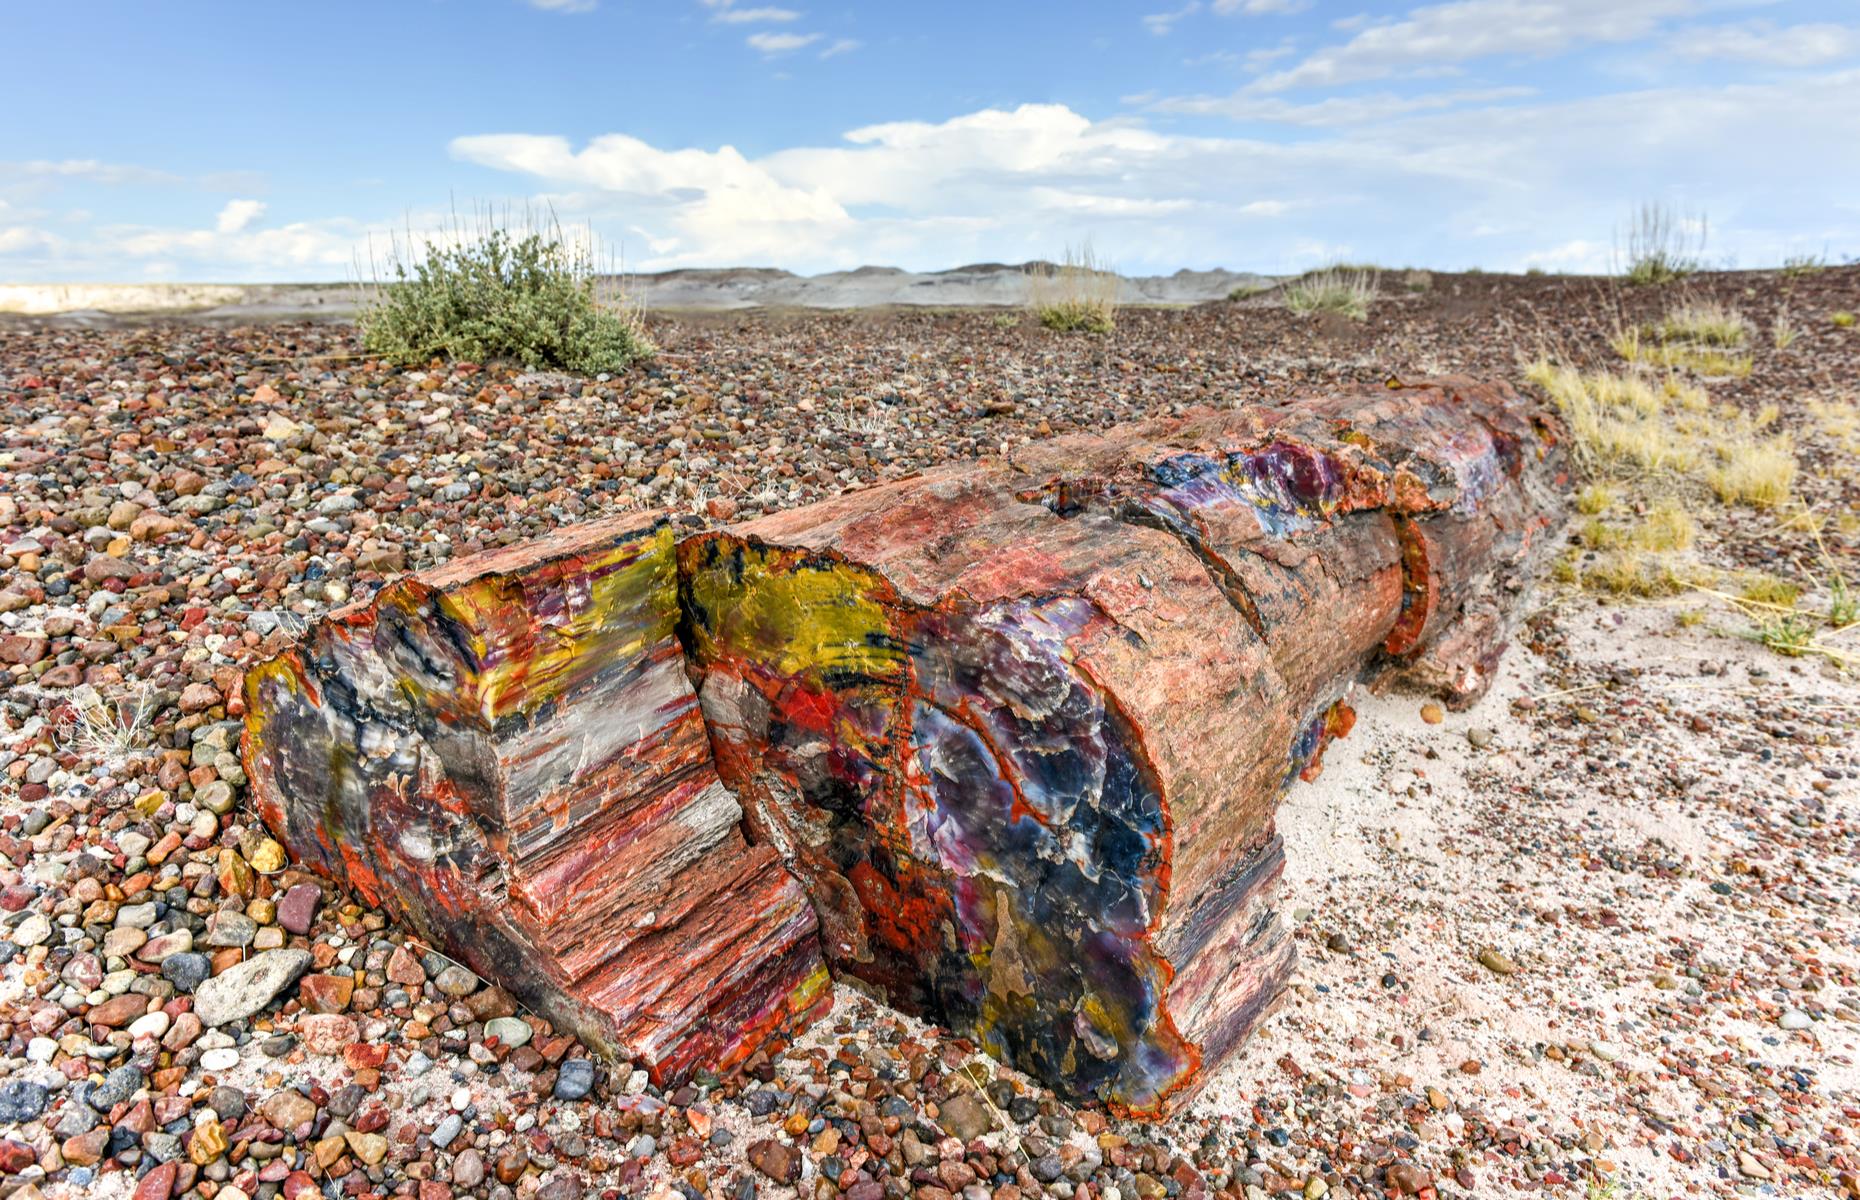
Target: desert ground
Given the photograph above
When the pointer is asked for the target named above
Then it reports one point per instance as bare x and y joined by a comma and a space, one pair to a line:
1597, 936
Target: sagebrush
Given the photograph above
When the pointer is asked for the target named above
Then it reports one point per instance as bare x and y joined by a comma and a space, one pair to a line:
527, 295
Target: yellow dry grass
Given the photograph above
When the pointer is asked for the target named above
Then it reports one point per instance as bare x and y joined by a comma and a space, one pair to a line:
1626, 425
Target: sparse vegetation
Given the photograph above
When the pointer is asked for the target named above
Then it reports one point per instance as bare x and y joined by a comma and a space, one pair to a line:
1783, 331
1594, 498
1662, 245
1705, 322
1346, 291
1079, 295
1702, 337
495, 292
1843, 319
1772, 591
1759, 474
1803, 264
1634, 432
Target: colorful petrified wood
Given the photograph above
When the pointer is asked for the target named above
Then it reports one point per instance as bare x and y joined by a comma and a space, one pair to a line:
1019, 728
509, 754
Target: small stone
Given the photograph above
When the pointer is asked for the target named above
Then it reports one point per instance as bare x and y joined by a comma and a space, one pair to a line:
965, 1116
326, 993
1605, 1050
225, 1058
267, 858
328, 1033
1496, 963
509, 1031
20, 1101
777, 1160
575, 1079
371, 1148
247, 987
456, 982
1432, 713
1794, 1018
186, 971
298, 908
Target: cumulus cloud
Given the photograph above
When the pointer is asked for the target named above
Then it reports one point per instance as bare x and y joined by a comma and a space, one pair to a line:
771, 44
238, 214
1447, 181
1762, 42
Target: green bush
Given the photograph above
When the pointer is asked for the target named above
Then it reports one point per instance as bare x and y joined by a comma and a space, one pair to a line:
524, 297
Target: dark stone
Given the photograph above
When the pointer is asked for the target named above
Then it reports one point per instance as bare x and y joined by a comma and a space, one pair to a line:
187, 970
21, 1100
574, 1079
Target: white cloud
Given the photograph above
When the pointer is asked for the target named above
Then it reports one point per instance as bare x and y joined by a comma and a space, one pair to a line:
1162, 23
1338, 110
780, 43
1440, 35
90, 170
1254, 8
1762, 42
841, 46
1447, 181
565, 6
753, 16
238, 214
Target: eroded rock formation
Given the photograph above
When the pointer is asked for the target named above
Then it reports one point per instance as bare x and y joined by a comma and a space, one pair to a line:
1018, 728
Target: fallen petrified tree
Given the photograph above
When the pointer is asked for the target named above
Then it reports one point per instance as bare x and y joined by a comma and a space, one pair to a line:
1018, 727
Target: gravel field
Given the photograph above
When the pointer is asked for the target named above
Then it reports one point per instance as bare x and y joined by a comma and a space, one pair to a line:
1599, 936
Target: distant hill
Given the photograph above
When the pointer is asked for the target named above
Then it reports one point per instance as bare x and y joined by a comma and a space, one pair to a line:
977, 285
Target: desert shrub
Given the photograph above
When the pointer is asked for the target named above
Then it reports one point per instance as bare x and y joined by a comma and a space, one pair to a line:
1843, 319
525, 295
1662, 245
1078, 295
1343, 290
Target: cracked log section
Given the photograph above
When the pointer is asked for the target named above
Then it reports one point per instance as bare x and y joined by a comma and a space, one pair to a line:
508, 753
1018, 727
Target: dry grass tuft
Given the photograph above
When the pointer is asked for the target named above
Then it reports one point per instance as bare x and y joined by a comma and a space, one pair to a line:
1705, 322
1079, 295
1348, 292
1594, 498
1623, 425
1759, 474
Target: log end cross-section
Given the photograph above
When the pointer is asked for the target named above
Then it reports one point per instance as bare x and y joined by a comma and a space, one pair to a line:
509, 755
1001, 743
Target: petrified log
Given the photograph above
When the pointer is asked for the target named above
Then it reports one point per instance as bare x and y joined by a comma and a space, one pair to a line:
1018, 727
507, 752
1021, 727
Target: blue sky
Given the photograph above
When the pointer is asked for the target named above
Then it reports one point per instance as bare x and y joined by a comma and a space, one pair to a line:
232, 142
